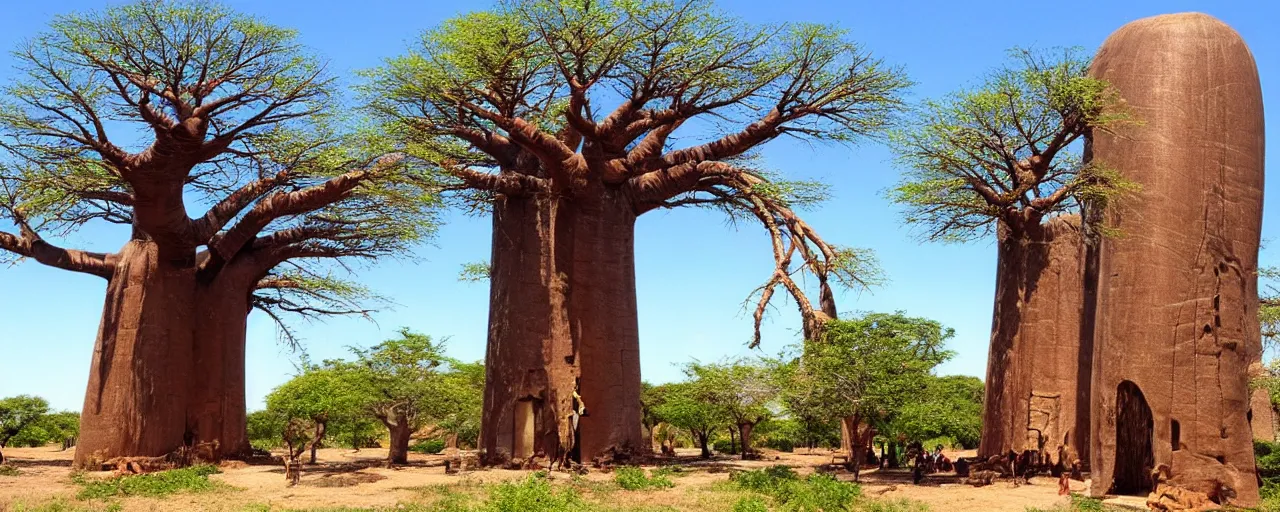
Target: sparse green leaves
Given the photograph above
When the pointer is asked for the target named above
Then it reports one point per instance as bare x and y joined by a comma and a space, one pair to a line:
1007, 149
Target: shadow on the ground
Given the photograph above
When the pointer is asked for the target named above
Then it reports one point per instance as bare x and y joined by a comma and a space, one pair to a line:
33, 463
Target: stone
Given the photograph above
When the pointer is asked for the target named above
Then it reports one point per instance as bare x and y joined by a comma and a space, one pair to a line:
1175, 326
1171, 498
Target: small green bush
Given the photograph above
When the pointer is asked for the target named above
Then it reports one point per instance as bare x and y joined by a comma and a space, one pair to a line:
781, 444
902, 505
164, 483
7, 470
429, 446
633, 478
816, 493
62, 505
751, 504
533, 494
725, 446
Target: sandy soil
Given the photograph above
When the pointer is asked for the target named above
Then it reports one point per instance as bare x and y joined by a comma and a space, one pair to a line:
346, 478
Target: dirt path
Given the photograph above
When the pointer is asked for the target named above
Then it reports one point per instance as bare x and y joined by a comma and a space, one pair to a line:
346, 478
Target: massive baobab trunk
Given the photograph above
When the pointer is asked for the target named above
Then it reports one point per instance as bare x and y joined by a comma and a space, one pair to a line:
531, 363
136, 400
602, 307
1176, 324
216, 410
1034, 372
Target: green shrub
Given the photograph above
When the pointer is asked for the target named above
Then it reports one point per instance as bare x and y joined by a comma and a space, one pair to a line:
633, 478
902, 505
431, 446
8, 470
62, 505
750, 504
533, 494
781, 444
816, 493
164, 483
725, 446
1267, 458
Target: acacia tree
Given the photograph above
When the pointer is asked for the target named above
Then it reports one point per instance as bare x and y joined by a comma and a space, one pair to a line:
865, 369
564, 117
231, 115
320, 395
685, 406
16, 414
742, 390
1004, 158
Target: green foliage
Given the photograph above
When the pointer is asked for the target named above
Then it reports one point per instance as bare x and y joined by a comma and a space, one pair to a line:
725, 445
475, 272
742, 390
1080, 504
49, 428
1007, 147
633, 478
1267, 457
7, 470
533, 494
265, 427
430, 446
815, 493
18, 413
63, 505
948, 407
154, 485
750, 504
870, 367
685, 407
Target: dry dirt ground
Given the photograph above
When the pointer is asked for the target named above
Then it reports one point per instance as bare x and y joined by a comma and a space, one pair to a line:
346, 478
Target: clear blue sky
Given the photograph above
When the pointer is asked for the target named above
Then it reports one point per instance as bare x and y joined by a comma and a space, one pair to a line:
694, 272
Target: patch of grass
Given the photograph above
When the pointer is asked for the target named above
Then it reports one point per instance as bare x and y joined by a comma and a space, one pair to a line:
62, 505
7, 470
633, 478
164, 483
533, 494
816, 493
900, 505
1078, 504
751, 504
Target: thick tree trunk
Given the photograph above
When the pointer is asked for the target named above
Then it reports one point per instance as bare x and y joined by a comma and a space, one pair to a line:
744, 431
530, 354
136, 400
704, 441
216, 415
398, 449
1005, 410
602, 307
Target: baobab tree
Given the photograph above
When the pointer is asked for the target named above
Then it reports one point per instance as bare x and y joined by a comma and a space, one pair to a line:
1006, 158
564, 118
138, 114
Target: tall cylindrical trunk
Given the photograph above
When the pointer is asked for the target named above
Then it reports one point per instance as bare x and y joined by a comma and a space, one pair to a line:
136, 400
1034, 377
216, 414
398, 450
530, 354
744, 431
704, 441
602, 307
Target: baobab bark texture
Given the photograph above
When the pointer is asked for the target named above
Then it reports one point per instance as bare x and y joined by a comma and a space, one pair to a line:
136, 400
602, 307
1037, 371
1176, 318
531, 354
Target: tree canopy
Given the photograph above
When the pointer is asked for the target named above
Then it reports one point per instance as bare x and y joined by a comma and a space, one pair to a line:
1007, 151
587, 96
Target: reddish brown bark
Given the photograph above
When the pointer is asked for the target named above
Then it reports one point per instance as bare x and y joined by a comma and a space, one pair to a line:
1034, 373
745, 430
400, 431
136, 400
530, 353
1176, 316
602, 306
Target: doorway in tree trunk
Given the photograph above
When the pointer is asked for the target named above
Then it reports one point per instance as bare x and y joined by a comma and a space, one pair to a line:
524, 430
1134, 456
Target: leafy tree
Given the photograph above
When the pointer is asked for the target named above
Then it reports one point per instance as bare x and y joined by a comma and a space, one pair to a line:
948, 407
864, 369
17, 413
264, 428
742, 390
59, 427
686, 407
321, 395
463, 384
1004, 158
136, 115
401, 383
572, 110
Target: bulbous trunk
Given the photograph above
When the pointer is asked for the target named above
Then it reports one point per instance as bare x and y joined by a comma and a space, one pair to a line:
602, 307
216, 414
531, 360
136, 400
398, 450
744, 430
1034, 370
